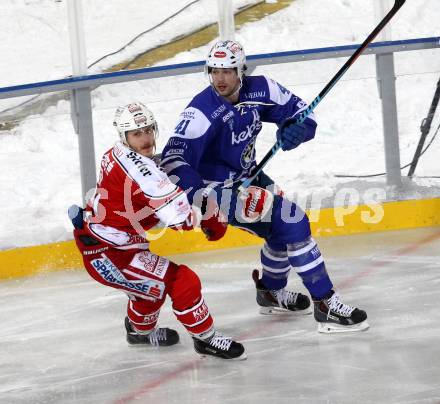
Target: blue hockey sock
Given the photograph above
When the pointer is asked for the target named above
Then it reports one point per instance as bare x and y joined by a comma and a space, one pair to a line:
276, 267
307, 261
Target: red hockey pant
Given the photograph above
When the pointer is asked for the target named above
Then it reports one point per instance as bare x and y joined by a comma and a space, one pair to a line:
148, 279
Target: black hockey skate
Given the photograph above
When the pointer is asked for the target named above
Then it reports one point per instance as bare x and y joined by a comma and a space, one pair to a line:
220, 347
279, 301
157, 337
334, 316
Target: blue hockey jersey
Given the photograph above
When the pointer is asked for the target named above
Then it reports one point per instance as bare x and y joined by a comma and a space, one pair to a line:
214, 140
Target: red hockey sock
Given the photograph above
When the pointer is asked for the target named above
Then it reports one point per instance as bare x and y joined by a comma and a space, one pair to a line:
188, 303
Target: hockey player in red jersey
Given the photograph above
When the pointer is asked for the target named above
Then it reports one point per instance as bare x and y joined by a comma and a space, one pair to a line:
132, 196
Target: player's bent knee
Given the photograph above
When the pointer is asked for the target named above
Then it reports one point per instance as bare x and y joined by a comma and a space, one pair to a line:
186, 288
188, 304
290, 223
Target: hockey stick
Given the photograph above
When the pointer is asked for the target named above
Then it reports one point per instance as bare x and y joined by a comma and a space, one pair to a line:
304, 114
425, 128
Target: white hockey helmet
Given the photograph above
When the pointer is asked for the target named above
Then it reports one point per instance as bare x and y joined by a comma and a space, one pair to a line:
133, 116
227, 55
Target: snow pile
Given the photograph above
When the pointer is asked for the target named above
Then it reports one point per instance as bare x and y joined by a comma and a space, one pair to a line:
39, 159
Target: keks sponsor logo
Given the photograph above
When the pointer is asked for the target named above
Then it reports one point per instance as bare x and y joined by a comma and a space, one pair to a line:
255, 126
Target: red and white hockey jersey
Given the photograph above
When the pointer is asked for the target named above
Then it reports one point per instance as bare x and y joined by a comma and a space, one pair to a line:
132, 196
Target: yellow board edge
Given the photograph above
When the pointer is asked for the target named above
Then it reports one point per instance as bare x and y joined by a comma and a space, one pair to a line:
20, 262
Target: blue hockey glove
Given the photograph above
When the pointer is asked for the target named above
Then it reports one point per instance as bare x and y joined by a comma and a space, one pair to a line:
292, 135
76, 214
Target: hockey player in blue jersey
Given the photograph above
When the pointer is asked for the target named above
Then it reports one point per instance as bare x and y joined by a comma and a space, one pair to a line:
213, 148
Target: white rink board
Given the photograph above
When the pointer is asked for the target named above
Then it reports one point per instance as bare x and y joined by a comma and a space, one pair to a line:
62, 338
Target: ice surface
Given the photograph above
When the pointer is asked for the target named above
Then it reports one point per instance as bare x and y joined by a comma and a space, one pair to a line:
62, 338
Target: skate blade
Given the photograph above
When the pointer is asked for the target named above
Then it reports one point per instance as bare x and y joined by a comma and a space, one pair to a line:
331, 328
242, 357
270, 311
